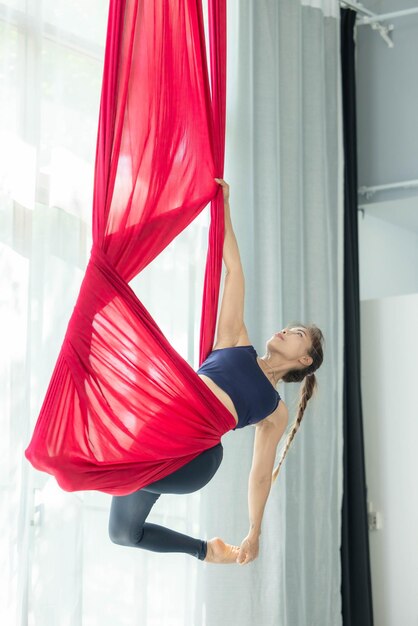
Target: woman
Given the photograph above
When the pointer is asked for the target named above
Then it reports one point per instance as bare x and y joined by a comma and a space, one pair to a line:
245, 383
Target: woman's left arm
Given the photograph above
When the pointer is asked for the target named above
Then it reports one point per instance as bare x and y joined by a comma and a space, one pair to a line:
267, 437
258, 493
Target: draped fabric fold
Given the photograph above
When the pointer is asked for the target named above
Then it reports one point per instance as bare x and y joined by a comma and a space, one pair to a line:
123, 408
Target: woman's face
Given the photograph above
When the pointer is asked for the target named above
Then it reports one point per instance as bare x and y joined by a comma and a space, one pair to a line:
291, 343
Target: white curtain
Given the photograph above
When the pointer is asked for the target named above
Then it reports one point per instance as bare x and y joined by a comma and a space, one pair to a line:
284, 165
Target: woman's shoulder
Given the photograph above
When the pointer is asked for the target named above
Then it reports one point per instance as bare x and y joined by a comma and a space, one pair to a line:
279, 417
233, 342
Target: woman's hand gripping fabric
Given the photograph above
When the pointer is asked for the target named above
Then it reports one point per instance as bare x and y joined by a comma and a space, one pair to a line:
225, 189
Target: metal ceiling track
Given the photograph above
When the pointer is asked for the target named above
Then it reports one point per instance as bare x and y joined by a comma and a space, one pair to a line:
370, 191
374, 20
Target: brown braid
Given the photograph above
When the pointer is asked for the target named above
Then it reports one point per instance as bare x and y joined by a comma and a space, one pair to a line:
309, 384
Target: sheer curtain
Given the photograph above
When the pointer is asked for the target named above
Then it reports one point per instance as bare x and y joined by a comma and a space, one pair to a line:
284, 166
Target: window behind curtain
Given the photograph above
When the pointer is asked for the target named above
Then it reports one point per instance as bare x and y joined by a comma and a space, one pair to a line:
51, 60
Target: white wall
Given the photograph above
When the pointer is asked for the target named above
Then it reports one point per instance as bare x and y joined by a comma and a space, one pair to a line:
388, 258
389, 345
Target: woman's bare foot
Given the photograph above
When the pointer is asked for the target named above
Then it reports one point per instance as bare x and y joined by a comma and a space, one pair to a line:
220, 552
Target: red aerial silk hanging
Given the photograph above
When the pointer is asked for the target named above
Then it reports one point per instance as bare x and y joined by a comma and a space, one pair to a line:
123, 408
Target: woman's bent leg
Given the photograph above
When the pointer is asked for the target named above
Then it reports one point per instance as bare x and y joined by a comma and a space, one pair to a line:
127, 527
127, 524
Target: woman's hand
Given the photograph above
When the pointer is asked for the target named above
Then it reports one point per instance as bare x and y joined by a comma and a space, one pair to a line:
248, 550
225, 189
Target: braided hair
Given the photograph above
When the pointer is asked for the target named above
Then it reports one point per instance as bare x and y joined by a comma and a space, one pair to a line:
308, 386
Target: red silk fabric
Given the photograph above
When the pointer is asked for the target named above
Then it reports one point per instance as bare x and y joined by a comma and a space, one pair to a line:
123, 408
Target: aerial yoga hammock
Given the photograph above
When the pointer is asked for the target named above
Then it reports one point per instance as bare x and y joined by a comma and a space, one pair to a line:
123, 409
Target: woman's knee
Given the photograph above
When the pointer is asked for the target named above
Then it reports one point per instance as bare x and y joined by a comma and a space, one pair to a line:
118, 534
127, 516
124, 534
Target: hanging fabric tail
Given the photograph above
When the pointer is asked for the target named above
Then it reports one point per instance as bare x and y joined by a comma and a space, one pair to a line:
123, 408
217, 38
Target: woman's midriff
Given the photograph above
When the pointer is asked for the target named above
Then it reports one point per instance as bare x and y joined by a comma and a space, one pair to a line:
221, 395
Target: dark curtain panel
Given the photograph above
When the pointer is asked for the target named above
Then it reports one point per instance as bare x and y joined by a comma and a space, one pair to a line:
356, 581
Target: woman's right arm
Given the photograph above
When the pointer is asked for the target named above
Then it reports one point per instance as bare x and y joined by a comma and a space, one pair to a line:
231, 255
230, 325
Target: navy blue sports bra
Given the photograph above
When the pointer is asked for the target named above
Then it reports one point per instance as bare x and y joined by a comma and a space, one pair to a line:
238, 373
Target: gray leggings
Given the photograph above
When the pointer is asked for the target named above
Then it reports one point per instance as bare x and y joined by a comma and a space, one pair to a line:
127, 526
